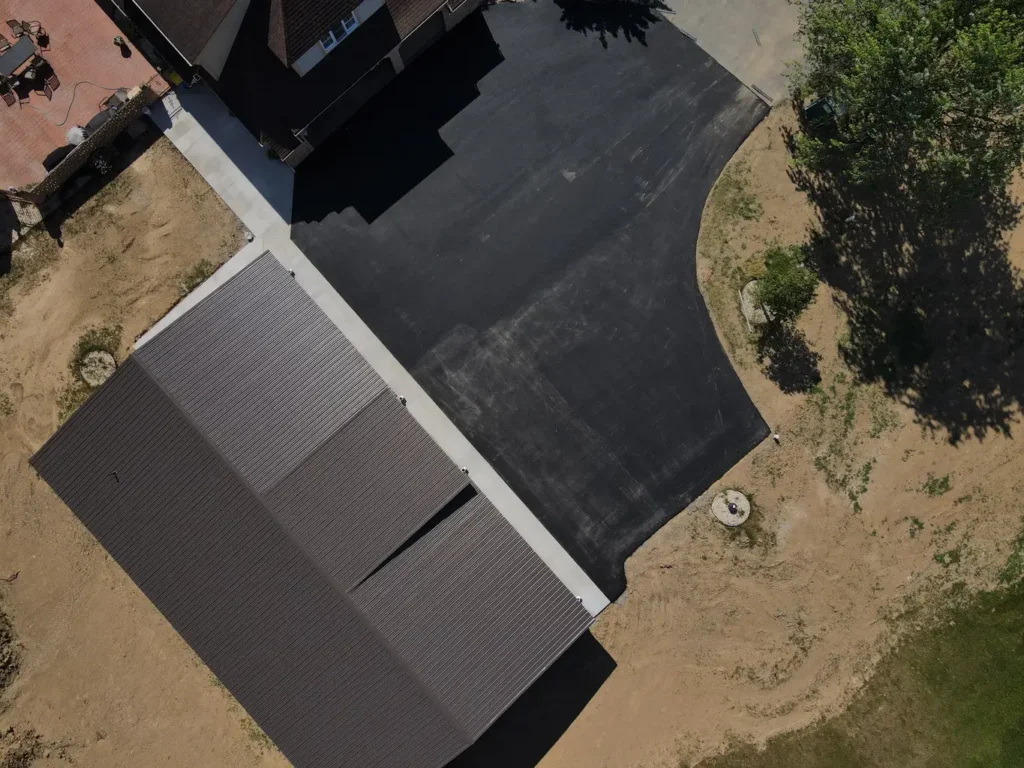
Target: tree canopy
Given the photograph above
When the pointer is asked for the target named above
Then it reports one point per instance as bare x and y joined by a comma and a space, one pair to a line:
787, 287
925, 91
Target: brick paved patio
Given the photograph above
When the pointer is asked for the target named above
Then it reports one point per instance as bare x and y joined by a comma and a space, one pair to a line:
90, 68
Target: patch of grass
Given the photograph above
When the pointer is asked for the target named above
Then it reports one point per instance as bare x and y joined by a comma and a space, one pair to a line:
9, 661
916, 526
962, 499
256, 734
949, 557
6, 405
1013, 571
883, 416
836, 404
936, 486
77, 391
29, 256
196, 276
99, 339
951, 696
733, 197
20, 749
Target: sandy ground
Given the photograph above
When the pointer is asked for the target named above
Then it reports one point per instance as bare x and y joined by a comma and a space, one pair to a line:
723, 637
719, 635
104, 680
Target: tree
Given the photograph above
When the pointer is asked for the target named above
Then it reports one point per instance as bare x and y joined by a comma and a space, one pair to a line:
925, 91
788, 287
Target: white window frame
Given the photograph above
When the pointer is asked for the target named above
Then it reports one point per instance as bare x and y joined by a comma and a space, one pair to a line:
345, 27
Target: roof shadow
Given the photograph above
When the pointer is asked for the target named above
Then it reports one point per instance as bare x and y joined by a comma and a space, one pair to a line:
628, 19
538, 718
8, 223
393, 143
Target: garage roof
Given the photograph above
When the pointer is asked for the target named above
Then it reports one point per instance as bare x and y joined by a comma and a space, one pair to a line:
187, 24
274, 499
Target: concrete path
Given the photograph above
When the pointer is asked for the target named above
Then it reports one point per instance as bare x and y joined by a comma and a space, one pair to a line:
256, 188
200, 126
753, 39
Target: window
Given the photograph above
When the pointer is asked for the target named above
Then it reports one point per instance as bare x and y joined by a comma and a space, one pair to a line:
339, 32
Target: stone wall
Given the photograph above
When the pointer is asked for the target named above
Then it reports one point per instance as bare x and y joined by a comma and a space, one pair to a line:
138, 99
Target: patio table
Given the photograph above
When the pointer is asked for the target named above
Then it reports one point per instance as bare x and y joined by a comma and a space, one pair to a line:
16, 55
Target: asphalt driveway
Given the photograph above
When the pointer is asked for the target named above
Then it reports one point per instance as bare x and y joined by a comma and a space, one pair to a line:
515, 217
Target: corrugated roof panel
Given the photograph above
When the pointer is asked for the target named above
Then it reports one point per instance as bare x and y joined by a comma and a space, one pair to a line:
472, 595
290, 646
262, 372
247, 468
366, 490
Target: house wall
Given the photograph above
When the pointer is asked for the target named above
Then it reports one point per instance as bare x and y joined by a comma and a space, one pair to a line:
213, 57
315, 55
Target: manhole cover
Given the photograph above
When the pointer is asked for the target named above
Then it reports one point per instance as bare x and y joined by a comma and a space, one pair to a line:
96, 367
731, 508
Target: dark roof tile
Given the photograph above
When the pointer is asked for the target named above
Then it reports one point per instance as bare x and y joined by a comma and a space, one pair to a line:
247, 471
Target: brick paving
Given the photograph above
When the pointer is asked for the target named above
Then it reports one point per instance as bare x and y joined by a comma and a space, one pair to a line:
89, 66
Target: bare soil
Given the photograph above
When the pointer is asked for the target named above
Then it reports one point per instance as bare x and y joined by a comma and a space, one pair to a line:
861, 516
104, 681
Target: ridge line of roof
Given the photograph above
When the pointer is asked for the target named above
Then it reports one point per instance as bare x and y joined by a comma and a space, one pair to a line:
233, 470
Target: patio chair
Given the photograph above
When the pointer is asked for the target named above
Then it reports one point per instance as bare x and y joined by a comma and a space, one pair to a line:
9, 97
51, 82
5, 44
16, 29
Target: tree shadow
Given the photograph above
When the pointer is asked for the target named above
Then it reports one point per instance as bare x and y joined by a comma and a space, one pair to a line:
629, 18
787, 359
935, 308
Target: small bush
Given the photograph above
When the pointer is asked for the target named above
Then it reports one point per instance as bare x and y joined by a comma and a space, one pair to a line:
936, 486
788, 287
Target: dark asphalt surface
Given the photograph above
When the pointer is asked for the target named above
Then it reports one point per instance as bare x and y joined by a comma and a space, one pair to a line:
516, 218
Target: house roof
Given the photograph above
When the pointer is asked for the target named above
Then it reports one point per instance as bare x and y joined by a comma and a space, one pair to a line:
187, 24
295, 25
268, 492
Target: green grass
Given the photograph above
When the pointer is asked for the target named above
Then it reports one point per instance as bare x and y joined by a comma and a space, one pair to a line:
936, 486
259, 739
952, 696
77, 391
196, 276
733, 197
1013, 571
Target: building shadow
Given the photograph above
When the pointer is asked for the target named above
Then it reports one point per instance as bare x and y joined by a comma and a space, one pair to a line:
628, 19
8, 224
393, 142
532, 725
935, 309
